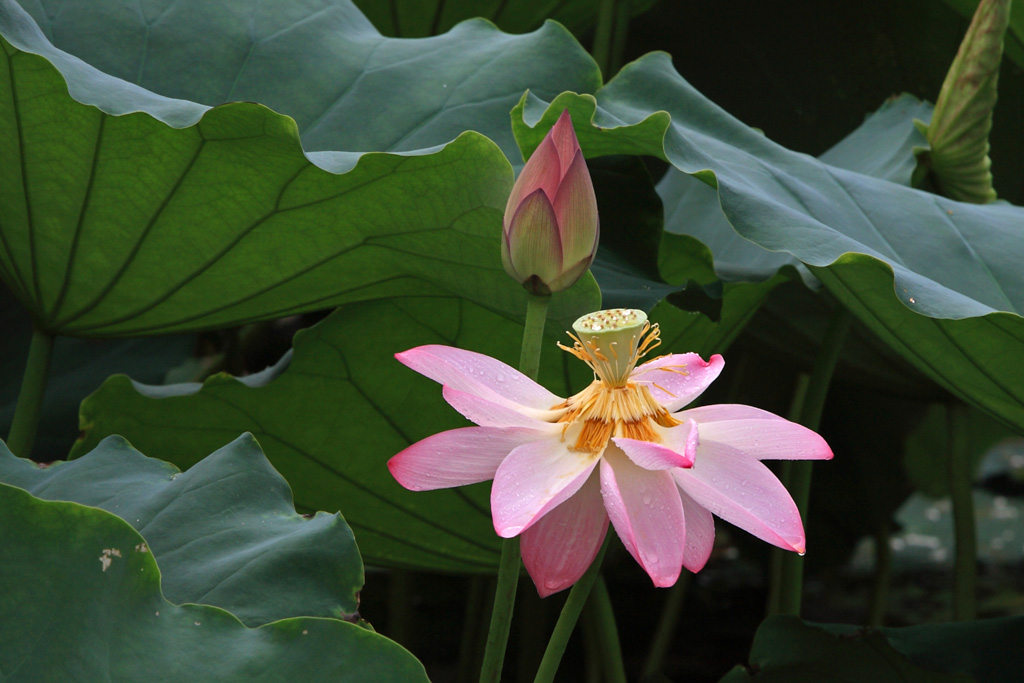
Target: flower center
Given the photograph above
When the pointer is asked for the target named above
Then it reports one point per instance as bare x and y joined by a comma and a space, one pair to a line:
612, 342
601, 411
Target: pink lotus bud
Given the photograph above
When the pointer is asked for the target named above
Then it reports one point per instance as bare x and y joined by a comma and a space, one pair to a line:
551, 228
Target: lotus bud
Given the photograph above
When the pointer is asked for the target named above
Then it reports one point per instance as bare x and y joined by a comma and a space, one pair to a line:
550, 230
956, 162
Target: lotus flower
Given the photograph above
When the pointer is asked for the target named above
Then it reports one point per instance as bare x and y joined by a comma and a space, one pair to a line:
550, 230
622, 449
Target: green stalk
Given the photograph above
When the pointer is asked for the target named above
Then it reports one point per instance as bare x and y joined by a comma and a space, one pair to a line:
600, 615
602, 50
30, 400
531, 615
401, 616
592, 658
533, 335
666, 628
472, 624
567, 620
622, 12
508, 569
961, 475
778, 555
883, 572
791, 577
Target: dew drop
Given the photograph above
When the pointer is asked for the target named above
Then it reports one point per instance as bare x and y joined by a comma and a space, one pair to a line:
647, 499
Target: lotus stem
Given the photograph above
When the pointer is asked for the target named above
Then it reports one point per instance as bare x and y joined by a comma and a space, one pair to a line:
471, 647
30, 399
533, 335
666, 628
791, 579
602, 618
603, 30
883, 572
508, 569
961, 474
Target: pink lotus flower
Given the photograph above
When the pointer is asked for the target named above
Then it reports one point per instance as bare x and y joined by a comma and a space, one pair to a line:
623, 448
550, 230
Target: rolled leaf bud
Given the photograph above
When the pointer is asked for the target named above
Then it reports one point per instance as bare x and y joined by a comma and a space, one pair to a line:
550, 231
956, 162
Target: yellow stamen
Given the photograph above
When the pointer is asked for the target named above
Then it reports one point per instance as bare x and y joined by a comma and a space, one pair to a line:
611, 343
602, 411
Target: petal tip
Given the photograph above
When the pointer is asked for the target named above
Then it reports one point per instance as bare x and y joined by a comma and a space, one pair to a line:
546, 588
397, 469
508, 531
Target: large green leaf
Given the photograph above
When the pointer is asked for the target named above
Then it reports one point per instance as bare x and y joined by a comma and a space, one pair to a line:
411, 18
883, 146
321, 62
230, 514
331, 414
180, 217
788, 649
938, 280
82, 602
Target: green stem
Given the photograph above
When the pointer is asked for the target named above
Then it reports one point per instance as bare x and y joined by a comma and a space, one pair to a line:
961, 475
602, 50
778, 556
567, 620
531, 615
883, 572
501, 613
471, 648
508, 569
533, 335
401, 591
599, 613
666, 628
591, 650
824, 366
622, 12
791, 579
30, 400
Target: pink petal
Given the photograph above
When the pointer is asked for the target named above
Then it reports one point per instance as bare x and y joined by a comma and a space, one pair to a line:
742, 491
700, 534
575, 207
678, 448
730, 411
477, 374
506, 259
534, 479
543, 171
571, 273
758, 433
645, 508
559, 548
490, 414
675, 380
457, 457
534, 242
563, 136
